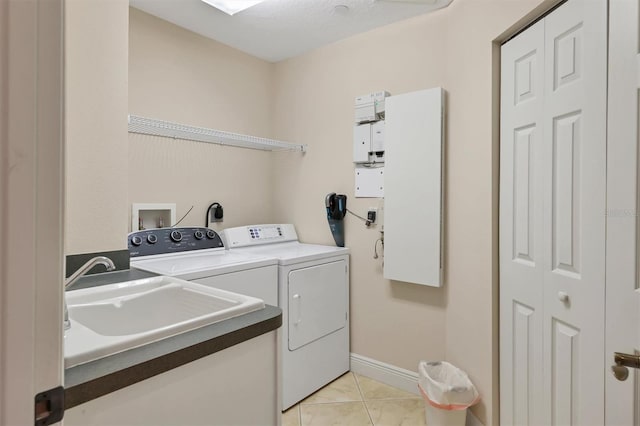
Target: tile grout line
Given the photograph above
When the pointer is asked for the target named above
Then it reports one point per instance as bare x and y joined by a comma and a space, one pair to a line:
360, 400
364, 402
333, 402
355, 379
299, 415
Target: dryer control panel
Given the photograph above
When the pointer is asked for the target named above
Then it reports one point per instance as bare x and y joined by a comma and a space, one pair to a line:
253, 235
172, 240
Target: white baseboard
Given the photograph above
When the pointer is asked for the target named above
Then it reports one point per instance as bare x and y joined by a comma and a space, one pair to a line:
385, 373
396, 377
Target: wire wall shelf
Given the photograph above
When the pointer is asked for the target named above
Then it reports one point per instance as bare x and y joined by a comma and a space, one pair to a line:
149, 126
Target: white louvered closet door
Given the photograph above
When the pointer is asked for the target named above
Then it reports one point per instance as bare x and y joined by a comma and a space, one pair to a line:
552, 222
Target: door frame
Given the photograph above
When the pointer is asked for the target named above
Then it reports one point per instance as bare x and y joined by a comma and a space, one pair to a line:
32, 200
622, 207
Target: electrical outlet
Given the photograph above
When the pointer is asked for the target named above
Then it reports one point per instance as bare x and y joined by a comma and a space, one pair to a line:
216, 214
213, 218
372, 214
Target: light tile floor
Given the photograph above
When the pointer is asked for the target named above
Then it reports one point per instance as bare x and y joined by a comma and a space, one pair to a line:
353, 400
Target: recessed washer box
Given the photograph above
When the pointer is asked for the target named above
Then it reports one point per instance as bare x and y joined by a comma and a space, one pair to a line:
152, 216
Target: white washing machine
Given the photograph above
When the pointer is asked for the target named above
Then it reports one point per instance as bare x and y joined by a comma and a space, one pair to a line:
199, 255
313, 287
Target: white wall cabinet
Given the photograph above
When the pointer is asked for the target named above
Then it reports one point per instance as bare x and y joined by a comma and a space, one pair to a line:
413, 184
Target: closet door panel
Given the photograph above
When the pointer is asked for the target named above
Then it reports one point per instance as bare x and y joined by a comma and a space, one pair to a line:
574, 170
521, 228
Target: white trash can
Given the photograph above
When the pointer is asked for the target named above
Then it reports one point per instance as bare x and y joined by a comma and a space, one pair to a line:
447, 393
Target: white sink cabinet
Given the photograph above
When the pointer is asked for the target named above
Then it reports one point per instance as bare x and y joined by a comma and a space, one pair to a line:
236, 386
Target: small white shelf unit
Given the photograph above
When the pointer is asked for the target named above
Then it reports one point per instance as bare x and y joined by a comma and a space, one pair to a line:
149, 126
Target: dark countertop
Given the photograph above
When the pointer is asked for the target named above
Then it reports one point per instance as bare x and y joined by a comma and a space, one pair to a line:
94, 379
110, 278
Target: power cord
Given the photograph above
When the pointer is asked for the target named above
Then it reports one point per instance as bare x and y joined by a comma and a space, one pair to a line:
375, 246
380, 240
185, 215
367, 222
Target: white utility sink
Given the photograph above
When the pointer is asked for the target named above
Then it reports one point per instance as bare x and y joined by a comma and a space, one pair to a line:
112, 318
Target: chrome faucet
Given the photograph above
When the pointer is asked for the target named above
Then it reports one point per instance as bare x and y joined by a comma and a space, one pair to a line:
99, 260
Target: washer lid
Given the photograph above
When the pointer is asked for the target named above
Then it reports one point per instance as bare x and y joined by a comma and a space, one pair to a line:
205, 263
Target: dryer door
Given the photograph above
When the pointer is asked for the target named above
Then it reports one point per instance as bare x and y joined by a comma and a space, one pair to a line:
317, 302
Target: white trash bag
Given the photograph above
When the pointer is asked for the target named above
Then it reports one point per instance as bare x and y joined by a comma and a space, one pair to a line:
447, 392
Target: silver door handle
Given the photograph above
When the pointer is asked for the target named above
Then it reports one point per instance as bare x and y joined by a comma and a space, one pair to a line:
622, 362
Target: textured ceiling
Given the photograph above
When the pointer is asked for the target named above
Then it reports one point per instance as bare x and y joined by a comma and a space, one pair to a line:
281, 29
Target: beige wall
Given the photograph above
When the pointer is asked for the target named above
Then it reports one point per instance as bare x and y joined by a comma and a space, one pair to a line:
176, 75
96, 125
179, 76
396, 322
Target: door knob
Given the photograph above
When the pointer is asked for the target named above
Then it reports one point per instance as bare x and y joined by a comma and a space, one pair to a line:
622, 362
563, 297
620, 372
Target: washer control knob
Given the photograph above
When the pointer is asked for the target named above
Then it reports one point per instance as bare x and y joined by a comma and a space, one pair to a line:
136, 240
152, 239
199, 235
210, 234
176, 236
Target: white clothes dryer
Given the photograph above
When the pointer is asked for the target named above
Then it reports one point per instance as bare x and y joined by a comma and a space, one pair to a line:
313, 293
